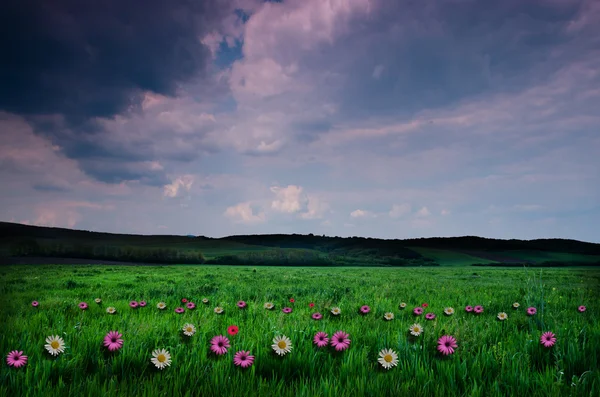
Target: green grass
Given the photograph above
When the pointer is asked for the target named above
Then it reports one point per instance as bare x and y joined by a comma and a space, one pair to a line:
493, 358
450, 258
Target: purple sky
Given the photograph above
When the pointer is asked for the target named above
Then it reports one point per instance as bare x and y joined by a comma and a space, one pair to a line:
391, 119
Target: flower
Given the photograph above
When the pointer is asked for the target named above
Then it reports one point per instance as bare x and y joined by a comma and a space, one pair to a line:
317, 316
365, 309
424, 305
184, 300
189, 329
516, 305
287, 310
449, 311
548, 339
388, 316
429, 316
219, 345
233, 330
179, 310
218, 310
417, 311
142, 303
55, 345
83, 305
241, 304
502, 316
336, 311
16, 359
478, 309
269, 305
416, 329
388, 358
161, 305
205, 301
340, 341
468, 309
111, 310
35, 303
292, 300
321, 339
531, 311
98, 300
161, 358
311, 305
402, 305
243, 359
282, 345
446, 345
581, 309
190, 305
133, 304
113, 340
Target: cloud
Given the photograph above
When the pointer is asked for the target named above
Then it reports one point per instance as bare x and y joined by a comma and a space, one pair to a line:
423, 212
315, 209
244, 213
399, 210
362, 214
180, 183
289, 199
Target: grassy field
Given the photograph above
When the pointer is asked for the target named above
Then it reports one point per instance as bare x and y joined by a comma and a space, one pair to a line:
492, 358
450, 258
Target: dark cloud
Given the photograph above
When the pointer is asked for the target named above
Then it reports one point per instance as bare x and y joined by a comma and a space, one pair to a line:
48, 187
93, 58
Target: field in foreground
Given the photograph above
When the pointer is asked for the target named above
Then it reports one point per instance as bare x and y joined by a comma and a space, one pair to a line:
492, 358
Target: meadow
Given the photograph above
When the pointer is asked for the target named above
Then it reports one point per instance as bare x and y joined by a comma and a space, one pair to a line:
493, 357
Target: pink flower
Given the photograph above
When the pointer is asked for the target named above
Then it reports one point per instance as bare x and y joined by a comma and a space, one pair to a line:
243, 359
113, 340
133, 304
468, 309
179, 310
446, 345
424, 305
531, 311
191, 305
317, 316
365, 309
548, 339
321, 339
142, 303
83, 305
36, 304
430, 316
241, 304
311, 305
581, 309
478, 309
287, 310
340, 340
16, 359
219, 345
417, 311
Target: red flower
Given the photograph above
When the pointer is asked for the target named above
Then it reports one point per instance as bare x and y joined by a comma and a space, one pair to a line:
232, 330
424, 305
311, 304
184, 300
292, 300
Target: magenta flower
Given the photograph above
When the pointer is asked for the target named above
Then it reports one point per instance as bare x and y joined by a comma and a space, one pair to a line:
243, 359
548, 339
133, 304
581, 309
317, 316
531, 311
143, 303
287, 310
340, 341
478, 309
446, 345
321, 339
468, 309
191, 305
430, 316
113, 340
83, 305
418, 311
179, 310
36, 304
219, 345
365, 309
241, 304
16, 359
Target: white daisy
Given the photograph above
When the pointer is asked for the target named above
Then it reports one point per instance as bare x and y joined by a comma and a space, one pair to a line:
282, 345
161, 358
502, 316
516, 305
111, 310
161, 305
402, 305
269, 305
416, 329
218, 310
189, 329
449, 311
55, 345
336, 311
205, 301
98, 300
388, 316
388, 358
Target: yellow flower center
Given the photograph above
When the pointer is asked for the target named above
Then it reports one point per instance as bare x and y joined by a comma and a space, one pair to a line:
55, 344
161, 358
416, 329
189, 329
388, 358
282, 344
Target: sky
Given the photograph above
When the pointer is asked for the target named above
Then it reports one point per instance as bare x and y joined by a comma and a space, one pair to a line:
387, 119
